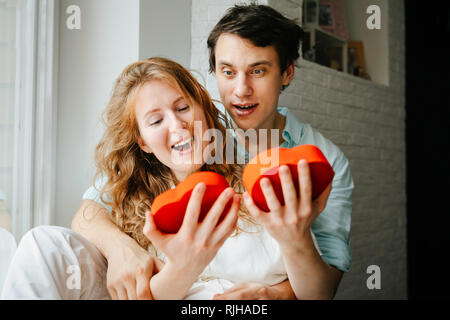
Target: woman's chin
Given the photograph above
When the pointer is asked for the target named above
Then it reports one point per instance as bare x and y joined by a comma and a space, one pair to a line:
181, 171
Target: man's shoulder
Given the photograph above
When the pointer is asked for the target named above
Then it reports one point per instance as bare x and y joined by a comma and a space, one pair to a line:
304, 133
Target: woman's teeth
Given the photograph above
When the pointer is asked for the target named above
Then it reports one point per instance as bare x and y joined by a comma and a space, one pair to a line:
183, 145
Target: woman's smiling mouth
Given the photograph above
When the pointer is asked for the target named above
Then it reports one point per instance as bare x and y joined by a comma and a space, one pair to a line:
184, 146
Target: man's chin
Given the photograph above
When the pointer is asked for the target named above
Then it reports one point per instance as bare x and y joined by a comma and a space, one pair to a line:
245, 125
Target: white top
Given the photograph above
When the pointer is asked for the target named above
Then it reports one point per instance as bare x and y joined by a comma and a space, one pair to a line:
8, 247
251, 256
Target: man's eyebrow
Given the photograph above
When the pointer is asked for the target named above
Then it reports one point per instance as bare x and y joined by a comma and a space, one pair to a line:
254, 64
262, 62
224, 63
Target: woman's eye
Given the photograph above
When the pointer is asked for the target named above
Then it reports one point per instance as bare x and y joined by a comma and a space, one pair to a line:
184, 108
153, 123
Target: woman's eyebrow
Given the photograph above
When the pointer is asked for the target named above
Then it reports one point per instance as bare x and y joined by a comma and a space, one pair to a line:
154, 110
150, 112
176, 101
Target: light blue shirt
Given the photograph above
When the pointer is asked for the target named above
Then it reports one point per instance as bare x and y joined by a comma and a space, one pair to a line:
332, 226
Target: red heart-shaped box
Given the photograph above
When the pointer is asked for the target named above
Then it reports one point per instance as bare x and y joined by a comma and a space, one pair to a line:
169, 207
266, 164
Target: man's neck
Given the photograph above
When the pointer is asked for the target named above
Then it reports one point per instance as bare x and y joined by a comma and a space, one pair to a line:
278, 123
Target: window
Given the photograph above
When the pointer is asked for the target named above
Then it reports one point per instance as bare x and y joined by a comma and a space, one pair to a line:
26, 115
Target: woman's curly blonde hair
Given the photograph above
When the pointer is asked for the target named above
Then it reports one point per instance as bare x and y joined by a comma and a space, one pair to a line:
135, 178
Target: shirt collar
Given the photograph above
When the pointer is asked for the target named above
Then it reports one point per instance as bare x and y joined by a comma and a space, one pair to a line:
292, 132
293, 129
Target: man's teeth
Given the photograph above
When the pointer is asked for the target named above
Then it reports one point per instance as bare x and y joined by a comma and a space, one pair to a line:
245, 107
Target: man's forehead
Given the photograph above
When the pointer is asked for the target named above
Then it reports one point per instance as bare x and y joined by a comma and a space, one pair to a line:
232, 50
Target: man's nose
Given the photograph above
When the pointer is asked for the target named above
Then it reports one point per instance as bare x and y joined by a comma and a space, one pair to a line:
243, 86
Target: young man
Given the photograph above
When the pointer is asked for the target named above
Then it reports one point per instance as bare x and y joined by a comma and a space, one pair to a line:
252, 53
253, 50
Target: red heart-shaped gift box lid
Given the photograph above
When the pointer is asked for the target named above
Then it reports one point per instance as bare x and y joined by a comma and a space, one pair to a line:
266, 164
169, 207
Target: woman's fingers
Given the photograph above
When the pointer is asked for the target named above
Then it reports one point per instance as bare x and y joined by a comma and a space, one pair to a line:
252, 208
227, 226
151, 231
216, 211
190, 220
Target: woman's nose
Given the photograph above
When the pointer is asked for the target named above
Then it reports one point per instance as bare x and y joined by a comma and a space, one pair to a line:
178, 123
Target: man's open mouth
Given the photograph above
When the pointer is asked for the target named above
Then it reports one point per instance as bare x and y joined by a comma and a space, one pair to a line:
245, 109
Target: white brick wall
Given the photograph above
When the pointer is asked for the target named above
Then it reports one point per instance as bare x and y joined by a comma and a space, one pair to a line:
367, 121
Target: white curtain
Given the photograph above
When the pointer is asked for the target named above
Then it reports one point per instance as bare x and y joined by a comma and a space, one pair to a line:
9, 13
18, 35
27, 112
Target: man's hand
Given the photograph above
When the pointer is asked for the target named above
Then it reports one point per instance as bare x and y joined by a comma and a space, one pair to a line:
257, 291
289, 224
129, 271
130, 267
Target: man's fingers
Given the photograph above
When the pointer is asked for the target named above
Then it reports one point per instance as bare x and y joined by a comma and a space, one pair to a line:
271, 198
288, 187
304, 178
131, 289
121, 293
143, 288
236, 287
113, 293
239, 294
321, 201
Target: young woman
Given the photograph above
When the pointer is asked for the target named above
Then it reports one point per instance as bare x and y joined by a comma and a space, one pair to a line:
148, 147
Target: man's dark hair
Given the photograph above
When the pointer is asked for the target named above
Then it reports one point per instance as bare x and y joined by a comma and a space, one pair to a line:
263, 26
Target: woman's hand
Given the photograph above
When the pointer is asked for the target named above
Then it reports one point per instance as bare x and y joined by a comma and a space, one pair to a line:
289, 224
192, 248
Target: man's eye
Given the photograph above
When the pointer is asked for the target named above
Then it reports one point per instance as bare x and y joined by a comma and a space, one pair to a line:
227, 73
258, 71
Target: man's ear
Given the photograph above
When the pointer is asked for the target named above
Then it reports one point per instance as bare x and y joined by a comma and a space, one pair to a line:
143, 146
288, 74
